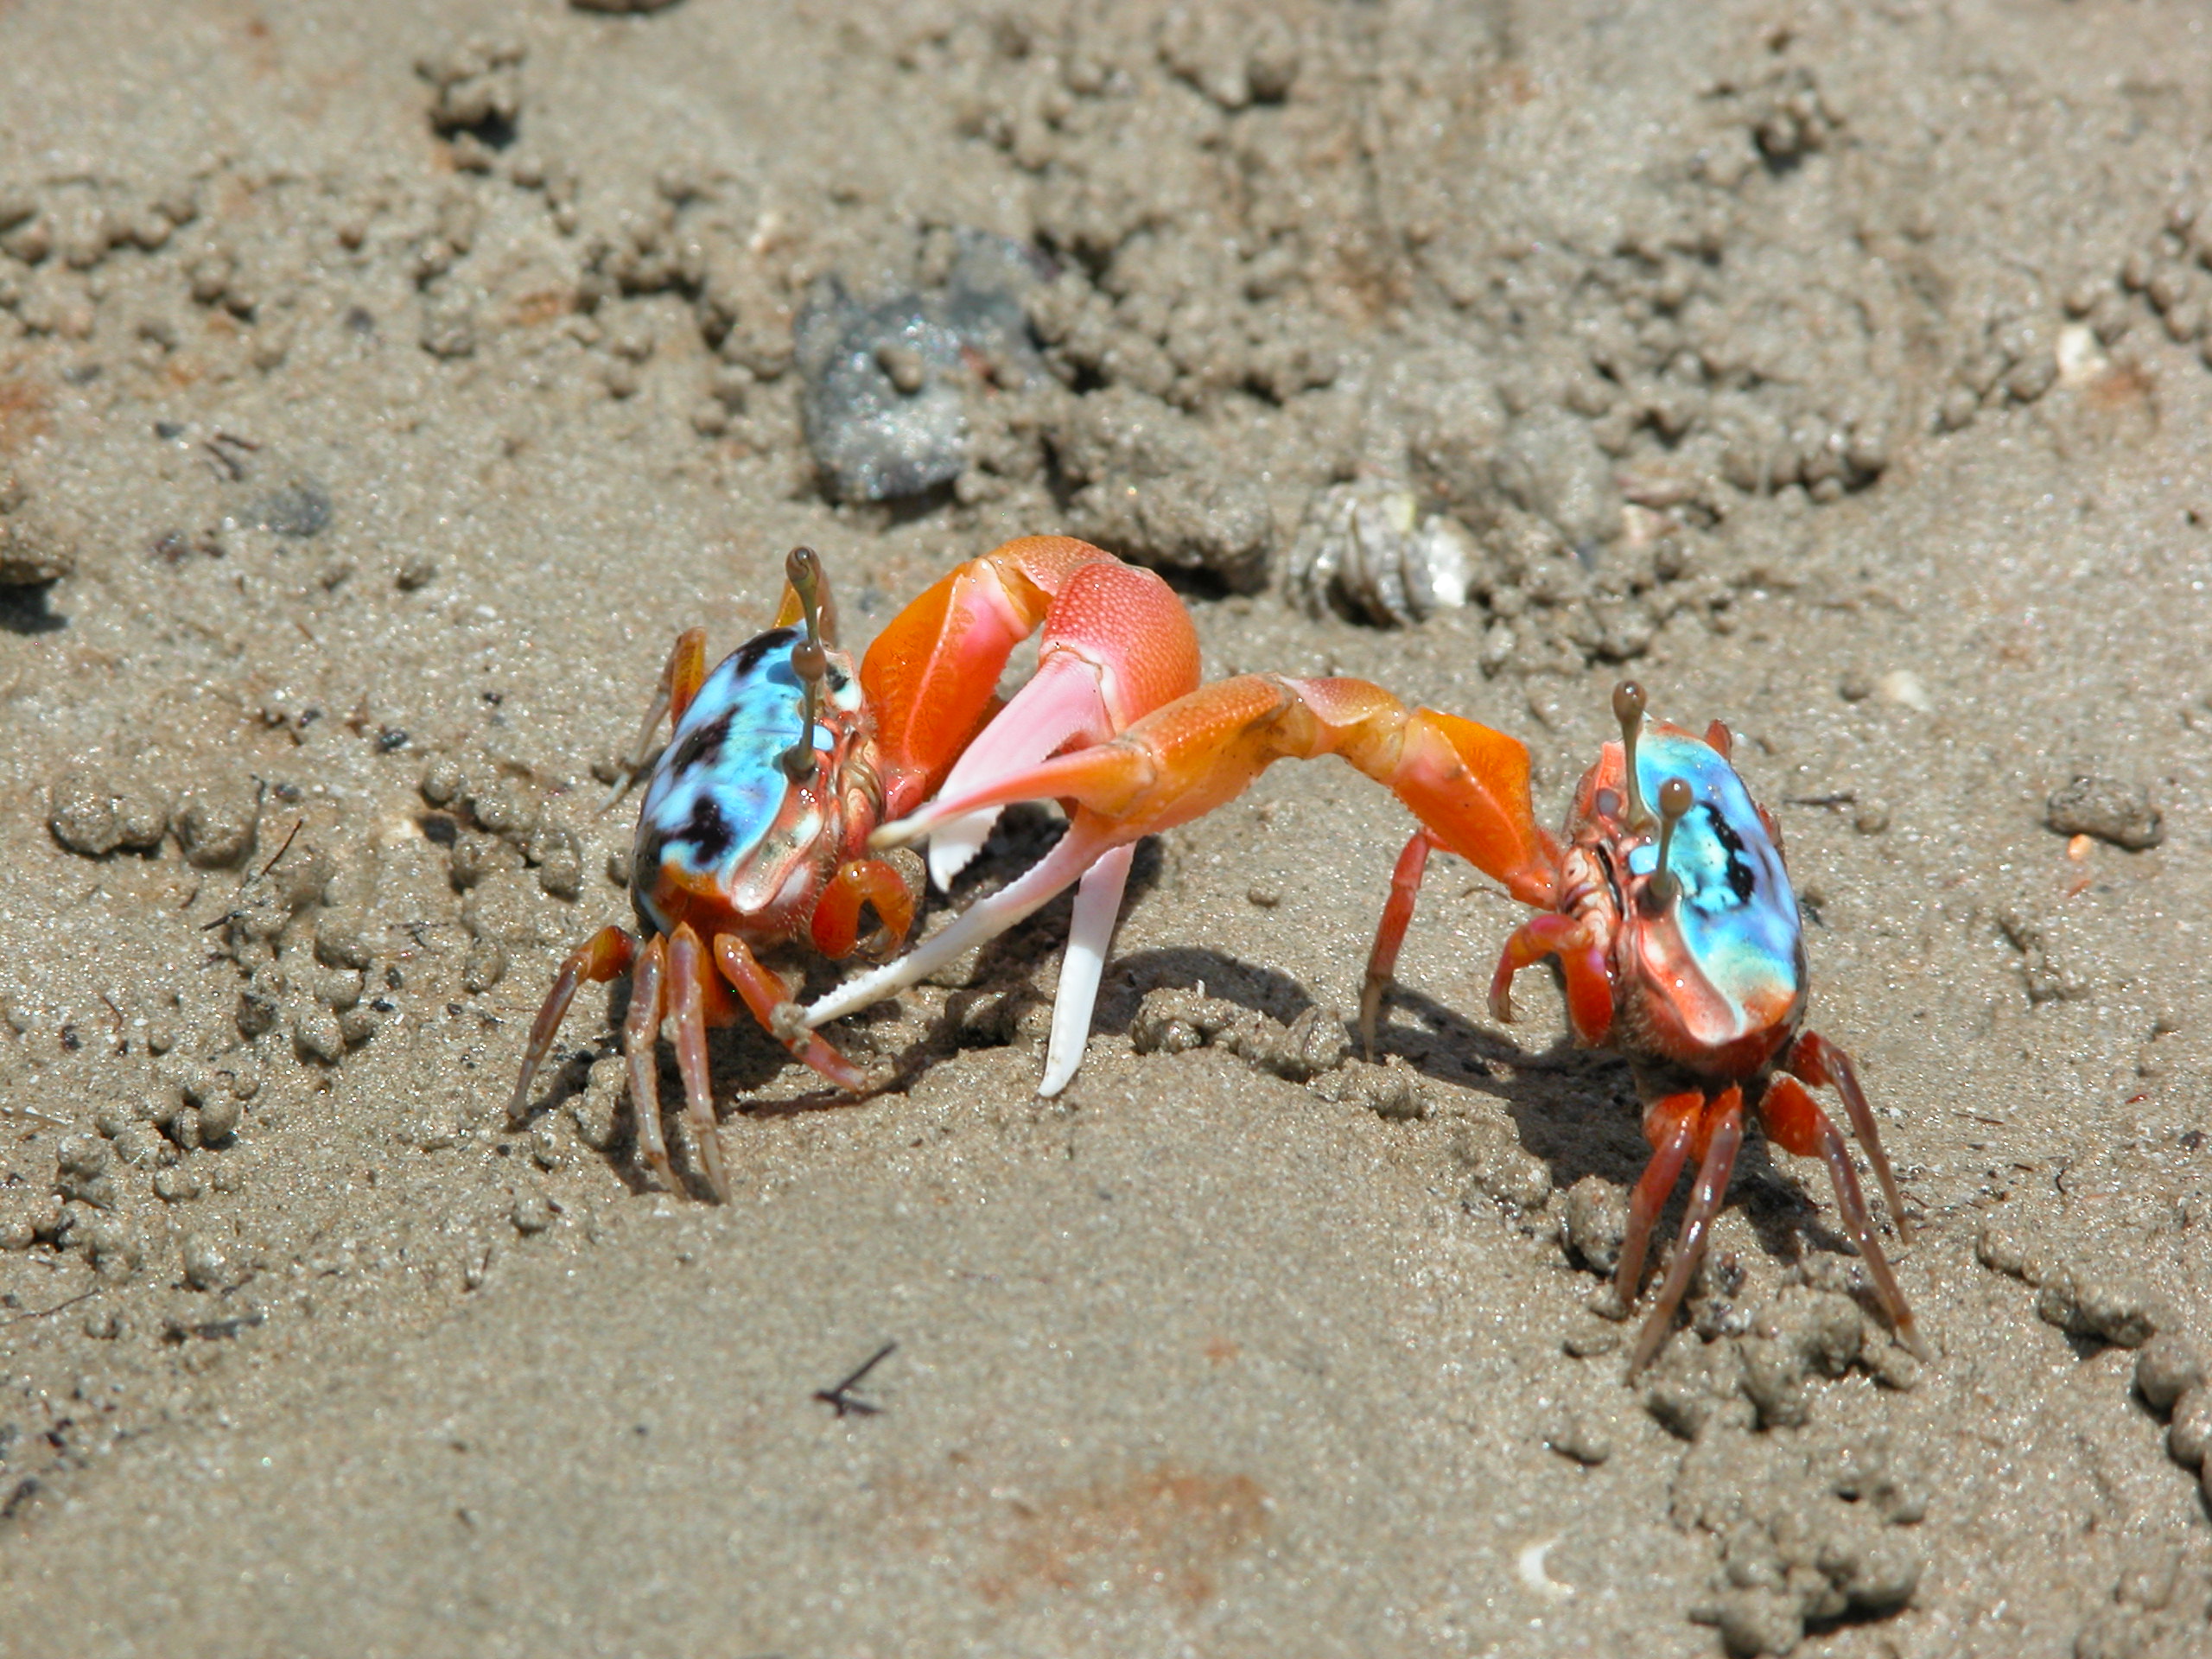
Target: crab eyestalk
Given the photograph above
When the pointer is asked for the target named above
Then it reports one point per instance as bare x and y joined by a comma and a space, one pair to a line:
803, 570
1628, 708
1674, 800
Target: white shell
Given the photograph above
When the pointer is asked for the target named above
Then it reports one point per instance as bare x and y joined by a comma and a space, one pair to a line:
1365, 550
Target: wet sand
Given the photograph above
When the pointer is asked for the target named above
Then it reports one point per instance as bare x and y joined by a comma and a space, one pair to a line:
375, 406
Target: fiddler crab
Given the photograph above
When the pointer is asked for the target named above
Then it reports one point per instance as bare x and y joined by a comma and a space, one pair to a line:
756, 824
1675, 931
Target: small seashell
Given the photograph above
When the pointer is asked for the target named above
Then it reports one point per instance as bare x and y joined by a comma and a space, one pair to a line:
1365, 550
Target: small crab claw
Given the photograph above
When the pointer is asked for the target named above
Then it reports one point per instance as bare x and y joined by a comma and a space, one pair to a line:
977, 925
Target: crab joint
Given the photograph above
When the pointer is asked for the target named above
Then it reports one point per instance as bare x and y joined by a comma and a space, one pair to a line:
1628, 708
1674, 801
803, 570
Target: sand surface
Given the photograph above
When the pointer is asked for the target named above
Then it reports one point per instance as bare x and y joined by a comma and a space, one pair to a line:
383, 386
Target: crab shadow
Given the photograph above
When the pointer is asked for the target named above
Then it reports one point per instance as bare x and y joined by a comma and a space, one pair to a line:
1577, 1111
1008, 977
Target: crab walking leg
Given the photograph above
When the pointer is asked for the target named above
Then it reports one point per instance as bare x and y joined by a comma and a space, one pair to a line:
1391, 933
680, 680
1817, 1061
1723, 1124
1097, 906
599, 958
765, 995
641, 1042
1796, 1123
687, 967
1670, 1125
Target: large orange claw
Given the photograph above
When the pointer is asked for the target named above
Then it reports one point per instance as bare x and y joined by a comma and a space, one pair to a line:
1117, 645
1468, 784
931, 675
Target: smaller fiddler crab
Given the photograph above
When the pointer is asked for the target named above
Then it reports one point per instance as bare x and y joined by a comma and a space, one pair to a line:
1676, 932
754, 829
1679, 943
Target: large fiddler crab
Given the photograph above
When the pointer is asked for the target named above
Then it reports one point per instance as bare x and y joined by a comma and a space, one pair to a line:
783, 761
1676, 931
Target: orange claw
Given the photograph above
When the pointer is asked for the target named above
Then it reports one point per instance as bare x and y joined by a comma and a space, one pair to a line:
1467, 784
1116, 645
931, 675
838, 913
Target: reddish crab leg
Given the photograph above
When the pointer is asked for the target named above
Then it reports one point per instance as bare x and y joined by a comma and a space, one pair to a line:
1582, 959
1819, 1061
765, 993
1796, 1123
599, 958
641, 1043
687, 978
1390, 935
1670, 1125
680, 679
1724, 1130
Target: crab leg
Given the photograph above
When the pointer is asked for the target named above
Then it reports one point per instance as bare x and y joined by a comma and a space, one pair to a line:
1581, 959
680, 679
641, 1042
765, 995
1724, 1131
1796, 1123
687, 969
1391, 933
1467, 782
1670, 1125
599, 958
1818, 1061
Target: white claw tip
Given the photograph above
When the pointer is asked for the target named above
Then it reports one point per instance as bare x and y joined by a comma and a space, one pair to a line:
884, 836
956, 842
